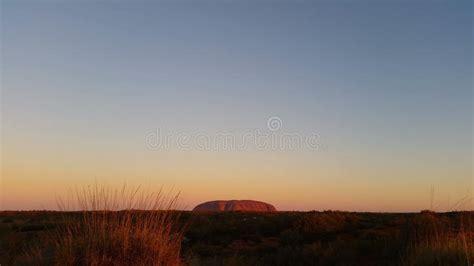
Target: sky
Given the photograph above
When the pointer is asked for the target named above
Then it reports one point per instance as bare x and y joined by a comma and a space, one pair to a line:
386, 86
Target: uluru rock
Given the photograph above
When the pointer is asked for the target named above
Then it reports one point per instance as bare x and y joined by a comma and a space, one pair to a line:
235, 205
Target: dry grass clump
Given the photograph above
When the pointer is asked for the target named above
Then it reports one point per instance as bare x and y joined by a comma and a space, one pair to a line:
438, 243
119, 227
452, 250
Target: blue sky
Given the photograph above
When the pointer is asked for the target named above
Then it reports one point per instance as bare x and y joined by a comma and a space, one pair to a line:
387, 85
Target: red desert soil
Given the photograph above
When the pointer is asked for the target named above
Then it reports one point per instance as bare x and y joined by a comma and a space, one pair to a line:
235, 205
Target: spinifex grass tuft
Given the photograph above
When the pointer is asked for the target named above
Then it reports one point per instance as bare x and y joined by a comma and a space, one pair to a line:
119, 227
438, 242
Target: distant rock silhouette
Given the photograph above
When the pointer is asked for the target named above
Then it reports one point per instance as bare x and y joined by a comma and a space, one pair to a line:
235, 205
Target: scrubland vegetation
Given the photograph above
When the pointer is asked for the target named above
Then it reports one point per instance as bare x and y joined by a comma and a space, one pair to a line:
123, 228
281, 238
113, 227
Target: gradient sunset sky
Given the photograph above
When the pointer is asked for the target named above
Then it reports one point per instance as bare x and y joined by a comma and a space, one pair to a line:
387, 85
